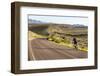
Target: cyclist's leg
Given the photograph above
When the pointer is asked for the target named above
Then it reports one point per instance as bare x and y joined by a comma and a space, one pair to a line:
75, 45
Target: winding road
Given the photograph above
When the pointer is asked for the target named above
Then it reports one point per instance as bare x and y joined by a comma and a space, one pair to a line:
42, 49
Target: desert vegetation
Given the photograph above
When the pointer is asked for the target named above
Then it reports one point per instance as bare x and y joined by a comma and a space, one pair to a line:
61, 34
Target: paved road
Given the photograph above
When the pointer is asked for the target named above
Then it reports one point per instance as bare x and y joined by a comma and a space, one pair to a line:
42, 49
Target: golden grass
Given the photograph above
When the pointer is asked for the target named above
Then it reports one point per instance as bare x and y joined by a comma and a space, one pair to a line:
32, 35
71, 46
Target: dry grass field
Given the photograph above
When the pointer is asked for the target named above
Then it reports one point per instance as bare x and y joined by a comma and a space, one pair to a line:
61, 34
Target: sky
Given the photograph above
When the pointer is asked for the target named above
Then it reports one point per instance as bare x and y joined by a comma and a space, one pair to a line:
60, 19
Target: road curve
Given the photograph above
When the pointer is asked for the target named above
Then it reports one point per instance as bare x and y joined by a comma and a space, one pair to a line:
42, 49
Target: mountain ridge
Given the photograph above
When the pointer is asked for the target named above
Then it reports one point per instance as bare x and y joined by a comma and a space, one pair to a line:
38, 22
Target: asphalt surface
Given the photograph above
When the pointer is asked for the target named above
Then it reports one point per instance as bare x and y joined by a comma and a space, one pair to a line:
42, 49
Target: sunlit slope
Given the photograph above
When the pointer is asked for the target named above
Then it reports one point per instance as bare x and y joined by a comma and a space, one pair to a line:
32, 35
61, 34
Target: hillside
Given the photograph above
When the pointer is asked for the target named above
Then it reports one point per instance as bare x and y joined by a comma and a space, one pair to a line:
62, 34
67, 29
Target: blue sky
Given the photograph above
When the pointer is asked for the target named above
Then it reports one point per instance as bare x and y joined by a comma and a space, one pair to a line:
61, 19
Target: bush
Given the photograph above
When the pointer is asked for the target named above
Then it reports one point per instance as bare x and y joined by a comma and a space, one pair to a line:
55, 37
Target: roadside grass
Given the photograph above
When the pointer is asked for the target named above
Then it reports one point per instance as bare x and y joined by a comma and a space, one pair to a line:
67, 41
72, 46
57, 38
32, 35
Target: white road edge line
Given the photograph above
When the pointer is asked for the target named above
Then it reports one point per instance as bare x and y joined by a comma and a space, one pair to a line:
32, 52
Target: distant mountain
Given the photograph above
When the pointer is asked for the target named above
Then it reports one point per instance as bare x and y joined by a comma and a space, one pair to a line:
79, 26
72, 25
30, 21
